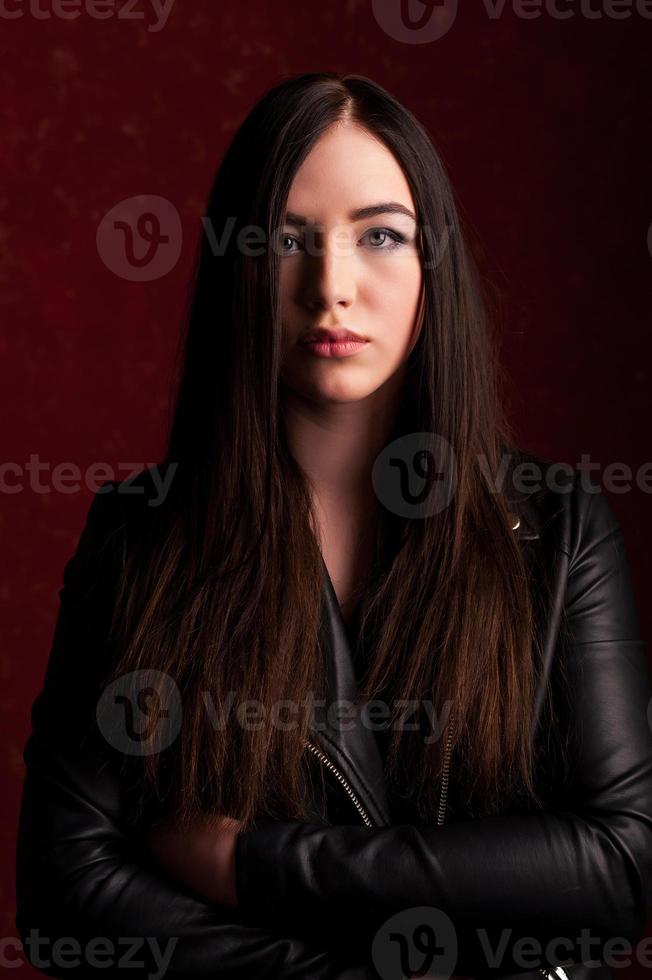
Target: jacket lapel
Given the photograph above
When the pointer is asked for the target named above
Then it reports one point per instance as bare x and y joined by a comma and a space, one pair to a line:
534, 509
350, 743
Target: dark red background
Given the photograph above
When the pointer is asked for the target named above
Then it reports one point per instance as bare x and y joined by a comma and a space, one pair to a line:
544, 126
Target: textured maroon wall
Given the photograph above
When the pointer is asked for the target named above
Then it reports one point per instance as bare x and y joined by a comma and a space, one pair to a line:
543, 123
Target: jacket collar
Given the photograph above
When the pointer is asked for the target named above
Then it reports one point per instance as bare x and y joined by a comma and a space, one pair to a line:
350, 743
535, 508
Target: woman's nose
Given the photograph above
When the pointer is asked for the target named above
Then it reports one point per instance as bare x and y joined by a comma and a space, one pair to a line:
332, 274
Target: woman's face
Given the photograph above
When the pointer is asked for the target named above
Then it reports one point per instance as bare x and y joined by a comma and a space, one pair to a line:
343, 271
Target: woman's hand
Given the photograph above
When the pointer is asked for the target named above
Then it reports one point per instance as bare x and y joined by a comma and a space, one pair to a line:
202, 858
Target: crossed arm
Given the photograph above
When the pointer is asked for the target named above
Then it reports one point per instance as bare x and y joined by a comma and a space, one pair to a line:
549, 873
82, 880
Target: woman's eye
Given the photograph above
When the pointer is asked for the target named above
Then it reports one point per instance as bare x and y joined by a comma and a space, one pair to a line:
396, 239
285, 237
383, 240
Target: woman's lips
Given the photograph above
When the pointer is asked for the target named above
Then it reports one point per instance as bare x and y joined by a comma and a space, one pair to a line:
333, 348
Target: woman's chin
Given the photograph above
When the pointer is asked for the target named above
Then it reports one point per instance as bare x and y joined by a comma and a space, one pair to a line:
340, 393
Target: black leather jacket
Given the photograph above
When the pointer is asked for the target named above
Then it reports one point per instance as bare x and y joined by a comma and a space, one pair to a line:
313, 895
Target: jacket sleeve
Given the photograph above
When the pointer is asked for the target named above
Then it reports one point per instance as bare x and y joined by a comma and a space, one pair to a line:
82, 879
551, 872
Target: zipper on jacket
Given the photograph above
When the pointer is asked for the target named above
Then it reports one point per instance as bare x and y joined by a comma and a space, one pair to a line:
345, 783
444, 778
556, 973
323, 758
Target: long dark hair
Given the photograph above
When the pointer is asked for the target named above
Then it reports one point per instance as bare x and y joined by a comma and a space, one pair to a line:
224, 594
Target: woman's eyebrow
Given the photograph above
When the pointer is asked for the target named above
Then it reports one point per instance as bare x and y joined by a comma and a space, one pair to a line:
370, 211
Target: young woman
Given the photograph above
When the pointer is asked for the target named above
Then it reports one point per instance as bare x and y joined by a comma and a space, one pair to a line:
347, 686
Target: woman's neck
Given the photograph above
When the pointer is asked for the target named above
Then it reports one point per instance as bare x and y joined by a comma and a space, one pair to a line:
336, 446
336, 443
